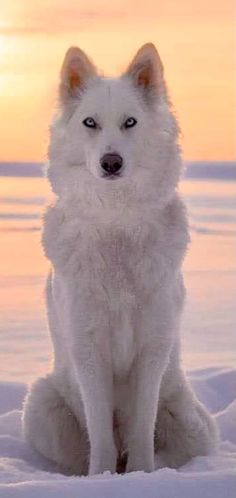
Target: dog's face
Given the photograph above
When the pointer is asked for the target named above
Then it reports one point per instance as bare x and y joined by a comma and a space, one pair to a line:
110, 130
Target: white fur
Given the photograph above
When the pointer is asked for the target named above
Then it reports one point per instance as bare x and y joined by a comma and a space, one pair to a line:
115, 293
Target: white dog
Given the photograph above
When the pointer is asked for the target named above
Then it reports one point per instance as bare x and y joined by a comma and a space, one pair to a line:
116, 237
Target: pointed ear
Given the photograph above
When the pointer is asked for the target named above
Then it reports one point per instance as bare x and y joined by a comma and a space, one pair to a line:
146, 70
76, 70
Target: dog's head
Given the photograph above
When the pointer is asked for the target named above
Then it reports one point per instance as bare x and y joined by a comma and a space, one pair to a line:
113, 131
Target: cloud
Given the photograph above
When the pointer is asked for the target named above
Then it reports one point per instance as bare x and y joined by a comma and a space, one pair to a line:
61, 16
57, 17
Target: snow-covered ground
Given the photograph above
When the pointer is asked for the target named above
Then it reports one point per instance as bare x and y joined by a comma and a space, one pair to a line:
208, 332
25, 474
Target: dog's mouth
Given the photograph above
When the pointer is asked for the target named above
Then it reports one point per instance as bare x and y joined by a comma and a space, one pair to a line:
112, 176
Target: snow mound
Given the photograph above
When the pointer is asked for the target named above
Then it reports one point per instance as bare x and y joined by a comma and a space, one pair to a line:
23, 473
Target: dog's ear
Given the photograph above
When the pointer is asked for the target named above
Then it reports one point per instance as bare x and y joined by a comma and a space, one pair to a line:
146, 70
75, 72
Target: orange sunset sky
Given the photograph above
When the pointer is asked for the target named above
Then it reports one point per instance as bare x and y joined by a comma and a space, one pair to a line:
195, 39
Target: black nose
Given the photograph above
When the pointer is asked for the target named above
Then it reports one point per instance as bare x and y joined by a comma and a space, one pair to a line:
111, 163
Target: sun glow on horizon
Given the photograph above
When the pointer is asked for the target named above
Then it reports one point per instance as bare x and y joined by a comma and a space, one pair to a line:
197, 49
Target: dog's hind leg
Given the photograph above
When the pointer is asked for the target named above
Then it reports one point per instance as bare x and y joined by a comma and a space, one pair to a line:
52, 429
184, 428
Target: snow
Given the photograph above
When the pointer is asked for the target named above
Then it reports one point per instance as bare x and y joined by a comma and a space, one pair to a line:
23, 473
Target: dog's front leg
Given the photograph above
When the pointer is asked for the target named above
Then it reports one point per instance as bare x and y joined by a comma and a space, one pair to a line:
90, 357
95, 383
145, 384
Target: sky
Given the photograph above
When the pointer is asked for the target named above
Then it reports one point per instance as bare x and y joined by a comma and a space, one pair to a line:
195, 39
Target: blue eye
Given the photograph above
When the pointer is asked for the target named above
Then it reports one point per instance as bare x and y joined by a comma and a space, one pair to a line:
90, 123
130, 122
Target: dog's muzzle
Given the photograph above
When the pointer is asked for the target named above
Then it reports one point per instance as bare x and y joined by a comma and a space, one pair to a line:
111, 164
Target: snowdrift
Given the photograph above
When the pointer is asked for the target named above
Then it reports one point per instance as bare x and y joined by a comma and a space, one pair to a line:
23, 473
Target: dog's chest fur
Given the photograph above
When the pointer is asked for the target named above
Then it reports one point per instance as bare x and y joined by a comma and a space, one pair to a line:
117, 265
109, 253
